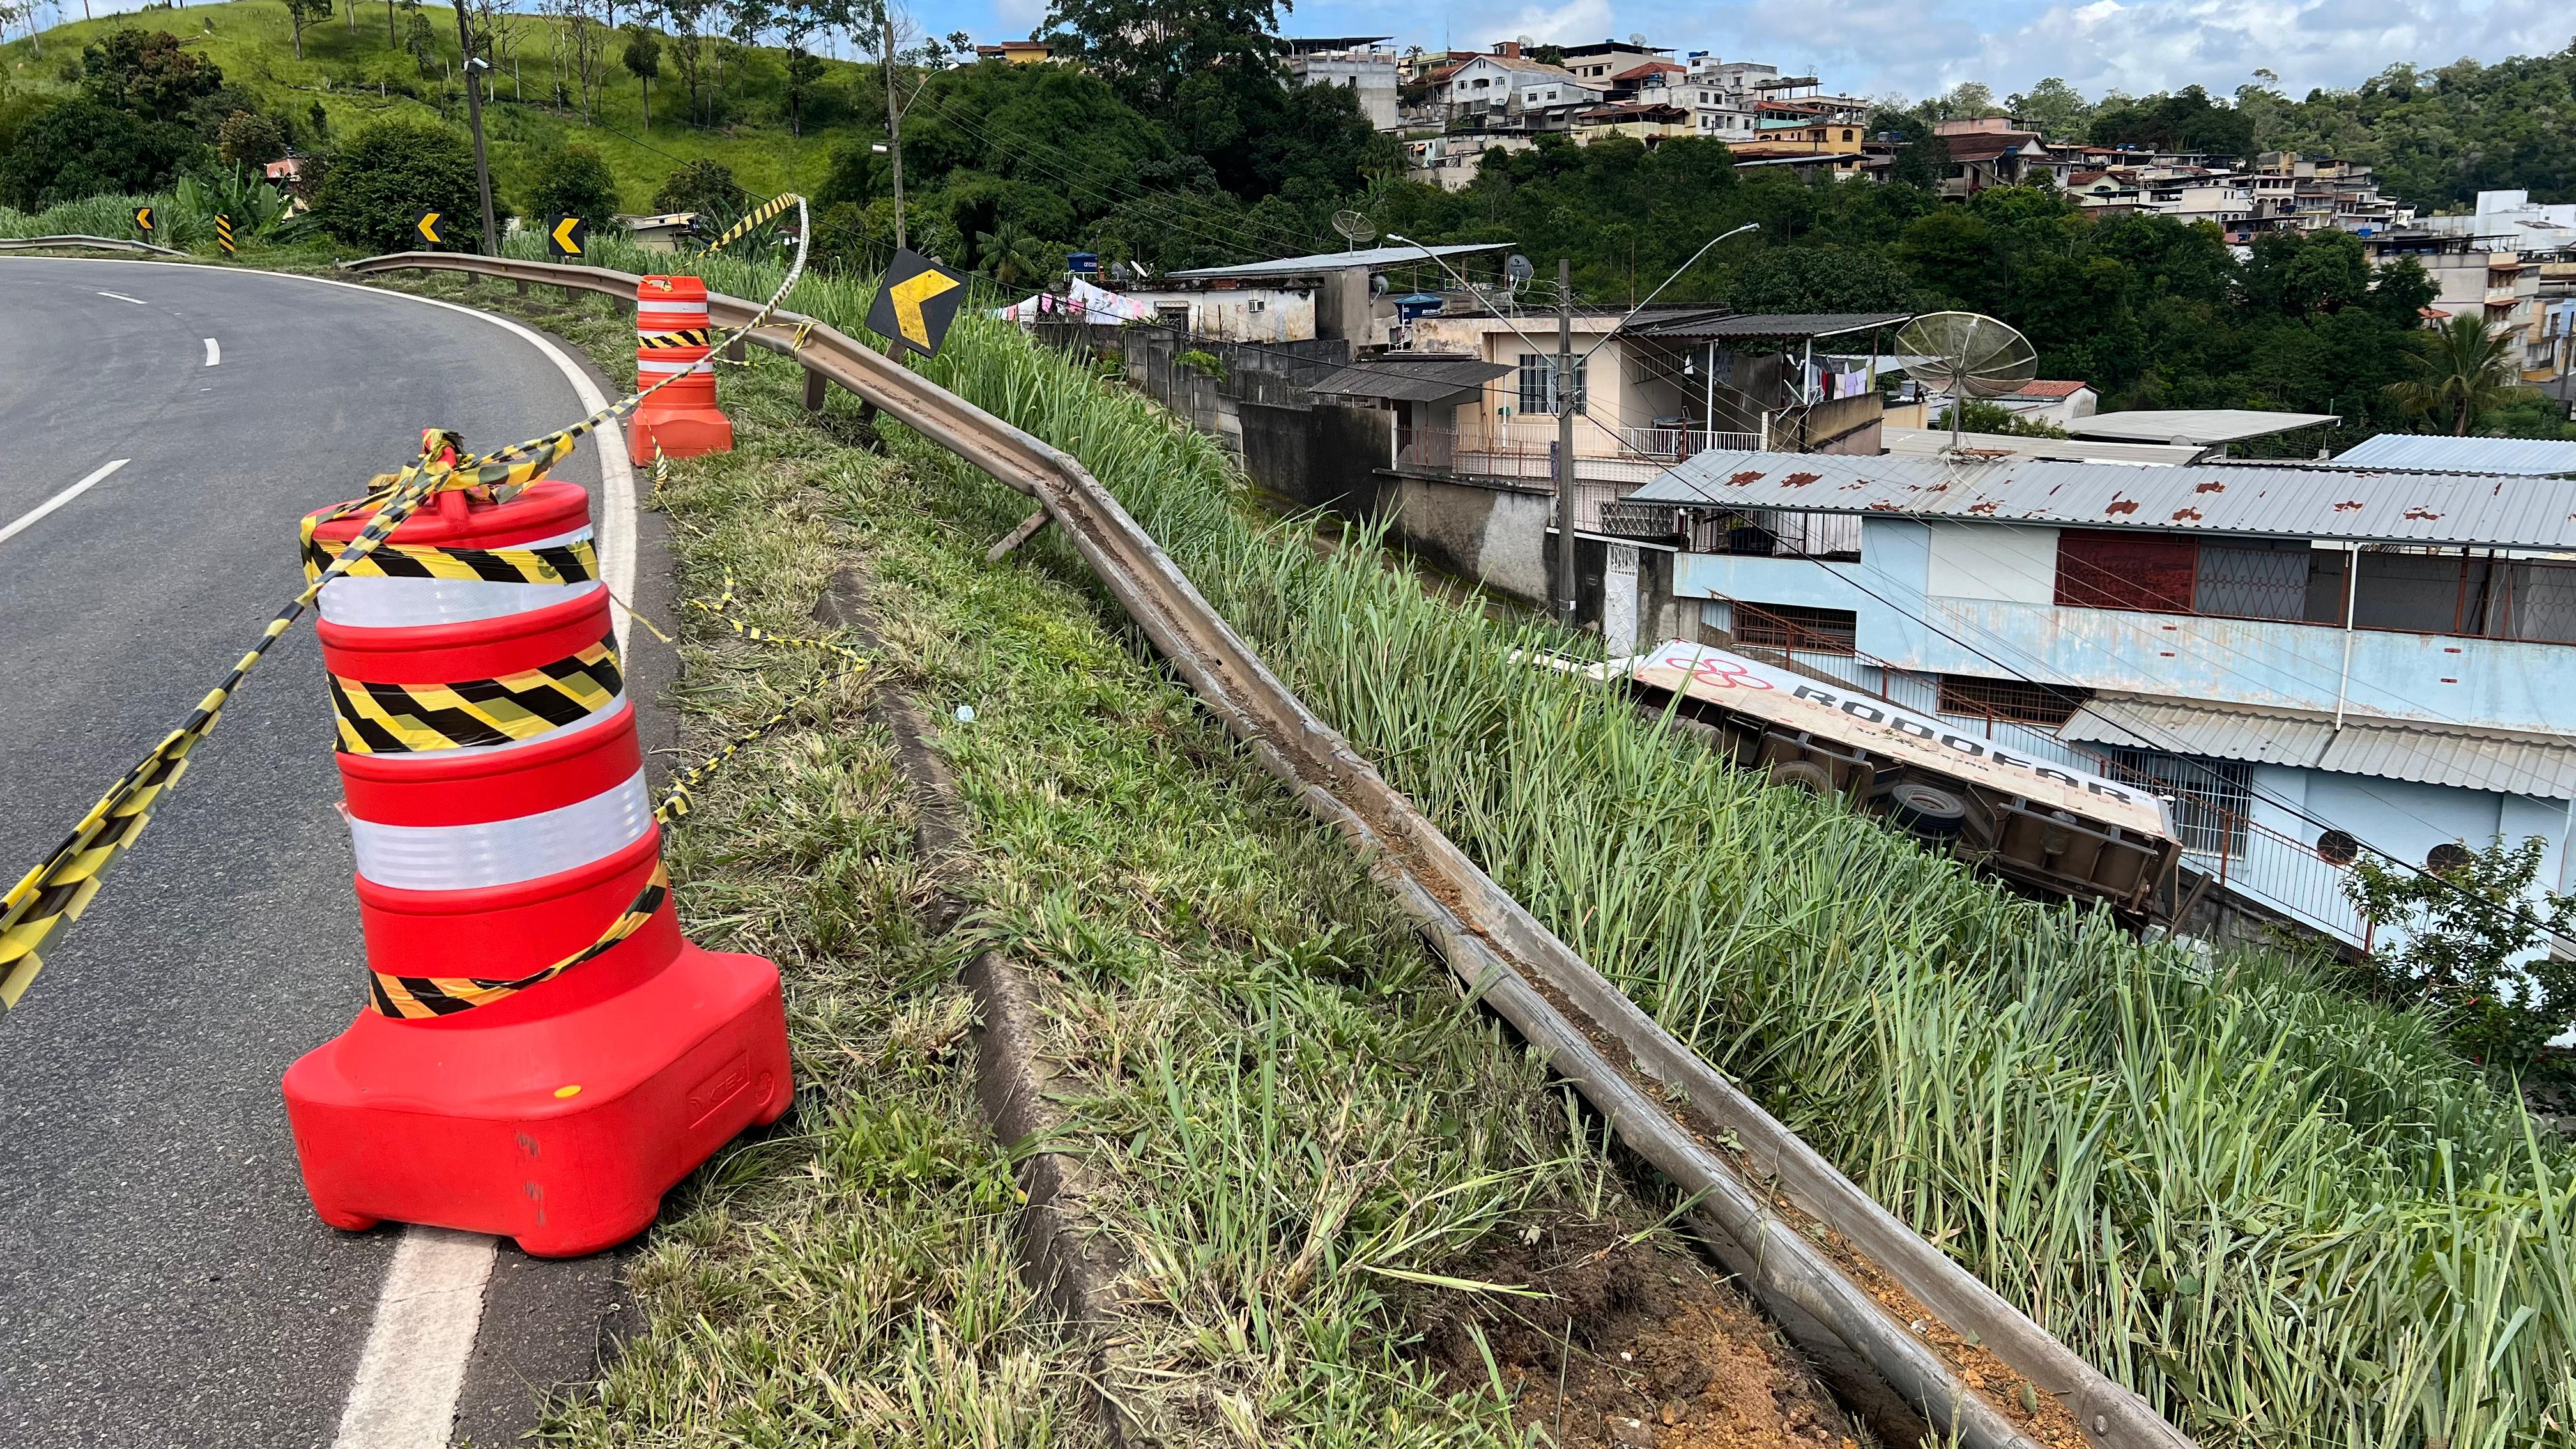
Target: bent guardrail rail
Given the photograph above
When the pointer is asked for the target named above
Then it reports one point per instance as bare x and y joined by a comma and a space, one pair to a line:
1666, 1103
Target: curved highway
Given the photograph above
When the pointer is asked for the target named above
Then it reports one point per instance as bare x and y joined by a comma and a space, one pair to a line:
163, 1280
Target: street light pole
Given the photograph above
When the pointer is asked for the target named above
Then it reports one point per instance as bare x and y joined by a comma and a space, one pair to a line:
474, 66
1565, 593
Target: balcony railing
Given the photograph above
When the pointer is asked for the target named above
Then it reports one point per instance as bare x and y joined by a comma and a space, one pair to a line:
1676, 444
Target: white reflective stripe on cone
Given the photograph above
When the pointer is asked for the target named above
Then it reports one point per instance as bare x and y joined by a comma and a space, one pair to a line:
660, 366
376, 603
503, 852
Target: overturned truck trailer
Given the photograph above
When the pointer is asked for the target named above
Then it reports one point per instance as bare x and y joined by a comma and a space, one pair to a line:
2038, 823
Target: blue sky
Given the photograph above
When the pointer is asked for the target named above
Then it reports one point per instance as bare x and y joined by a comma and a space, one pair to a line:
1917, 47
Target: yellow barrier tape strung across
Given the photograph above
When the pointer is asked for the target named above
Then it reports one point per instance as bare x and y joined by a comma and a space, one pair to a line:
52, 895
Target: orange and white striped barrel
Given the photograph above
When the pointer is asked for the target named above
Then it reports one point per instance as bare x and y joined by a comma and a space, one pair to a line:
544, 1054
671, 342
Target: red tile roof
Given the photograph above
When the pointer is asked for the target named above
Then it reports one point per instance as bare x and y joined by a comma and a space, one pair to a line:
1640, 72
2051, 389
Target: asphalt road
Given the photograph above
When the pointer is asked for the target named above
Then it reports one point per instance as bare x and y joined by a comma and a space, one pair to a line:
163, 1280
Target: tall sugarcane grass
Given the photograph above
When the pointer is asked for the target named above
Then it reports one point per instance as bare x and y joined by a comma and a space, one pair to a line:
2286, 1216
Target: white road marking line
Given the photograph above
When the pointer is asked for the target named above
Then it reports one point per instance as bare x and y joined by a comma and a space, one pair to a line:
413, 1367
120, 296
214, 354
29, 518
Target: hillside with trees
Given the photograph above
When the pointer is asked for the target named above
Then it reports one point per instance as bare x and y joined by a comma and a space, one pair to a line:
1184, 143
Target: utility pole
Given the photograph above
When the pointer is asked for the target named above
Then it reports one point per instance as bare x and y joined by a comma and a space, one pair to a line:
474, 112
1565, 442
894, 127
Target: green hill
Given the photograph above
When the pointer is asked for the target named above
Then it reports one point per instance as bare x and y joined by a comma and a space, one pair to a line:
354, 73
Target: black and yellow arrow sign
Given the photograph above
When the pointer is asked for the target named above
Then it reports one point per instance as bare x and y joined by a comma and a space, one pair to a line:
566, 237
143, 220
224, 234
916, 303
426, 225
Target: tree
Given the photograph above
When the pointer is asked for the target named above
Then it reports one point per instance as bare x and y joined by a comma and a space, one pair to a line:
301, 13
73, 149
146, 72
2460, 369
1149, 49
2187, 120
2466, 921
247, 138
391, 172
572, 180
2053, 108
703, 186
1981, 416
643, 59
420, 40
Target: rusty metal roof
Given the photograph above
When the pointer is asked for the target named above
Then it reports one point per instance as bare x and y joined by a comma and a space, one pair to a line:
2363, 505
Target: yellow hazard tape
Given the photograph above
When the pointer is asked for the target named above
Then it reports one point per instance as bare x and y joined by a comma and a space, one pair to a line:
723, 609
393, 719
767, 211
655, 340
569, 563
426, 996
53, 894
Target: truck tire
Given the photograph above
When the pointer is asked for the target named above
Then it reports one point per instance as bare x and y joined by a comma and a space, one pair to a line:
1921, 810
1804, 775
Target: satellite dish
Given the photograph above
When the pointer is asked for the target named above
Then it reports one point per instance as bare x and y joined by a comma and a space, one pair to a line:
1636, 37
1967, 355
1518, 269
1354, 227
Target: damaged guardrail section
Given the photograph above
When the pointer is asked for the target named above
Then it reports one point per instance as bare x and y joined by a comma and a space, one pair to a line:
1840, 1273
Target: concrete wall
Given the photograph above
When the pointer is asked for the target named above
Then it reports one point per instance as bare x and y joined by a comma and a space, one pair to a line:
1322, 457
1495, 536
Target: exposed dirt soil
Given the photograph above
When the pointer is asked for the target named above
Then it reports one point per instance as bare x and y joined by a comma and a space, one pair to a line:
1650, 1347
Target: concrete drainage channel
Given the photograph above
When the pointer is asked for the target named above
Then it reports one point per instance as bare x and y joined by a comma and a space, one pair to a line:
1867, 1297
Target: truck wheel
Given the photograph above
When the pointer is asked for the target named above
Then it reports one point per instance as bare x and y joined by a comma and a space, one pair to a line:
1919, 809
1804, 775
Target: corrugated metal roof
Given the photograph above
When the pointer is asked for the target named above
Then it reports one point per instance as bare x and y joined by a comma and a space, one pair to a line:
1932, 442
2486, 455
1712, 325
1400, 378
2374, 745
2489, 510
2193, 425
1321, 262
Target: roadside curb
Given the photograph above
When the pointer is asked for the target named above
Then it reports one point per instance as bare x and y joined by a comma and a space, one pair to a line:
1012, 1085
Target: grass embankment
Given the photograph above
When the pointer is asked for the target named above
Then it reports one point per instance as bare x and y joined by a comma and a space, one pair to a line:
1304, 1149
344, 64
2286, 1216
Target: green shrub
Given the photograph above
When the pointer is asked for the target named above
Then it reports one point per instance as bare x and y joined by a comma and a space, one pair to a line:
250, 139
80, 148
572, 180
392, 172
703, 186
1991, 417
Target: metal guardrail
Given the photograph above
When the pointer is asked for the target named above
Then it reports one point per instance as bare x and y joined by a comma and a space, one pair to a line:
91, 243
1666, 1104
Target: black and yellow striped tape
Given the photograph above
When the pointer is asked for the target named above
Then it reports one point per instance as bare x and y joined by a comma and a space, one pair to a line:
654, 341
760, 215
570, 563
397, 719
421, 997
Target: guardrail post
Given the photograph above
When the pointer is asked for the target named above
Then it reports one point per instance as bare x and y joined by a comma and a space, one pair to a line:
735, 351
815, 383
523, 286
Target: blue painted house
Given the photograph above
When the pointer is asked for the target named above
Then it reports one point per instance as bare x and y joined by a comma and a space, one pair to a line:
2309, 661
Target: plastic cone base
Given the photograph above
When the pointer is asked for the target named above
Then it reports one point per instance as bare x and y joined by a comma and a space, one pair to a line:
559, 1128
680, 434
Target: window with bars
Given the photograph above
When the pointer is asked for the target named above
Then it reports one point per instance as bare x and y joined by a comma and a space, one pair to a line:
1538, 383
1794, 626
2209, 798
2018, 701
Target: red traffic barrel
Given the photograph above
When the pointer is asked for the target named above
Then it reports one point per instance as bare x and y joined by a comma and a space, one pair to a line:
542, 1054
671, 341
